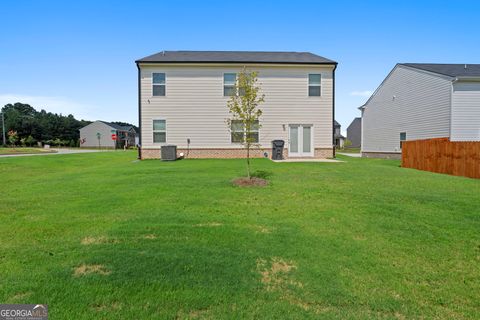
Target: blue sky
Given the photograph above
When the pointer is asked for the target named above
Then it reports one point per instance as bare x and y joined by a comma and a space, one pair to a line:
79, 57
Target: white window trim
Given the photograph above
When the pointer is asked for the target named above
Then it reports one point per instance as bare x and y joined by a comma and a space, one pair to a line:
314, 85
400, 137
158, 84
153, 131
223, 80
244, 133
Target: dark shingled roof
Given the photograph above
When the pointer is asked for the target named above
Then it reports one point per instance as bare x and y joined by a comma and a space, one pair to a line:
117, 126
236, 57
452, 70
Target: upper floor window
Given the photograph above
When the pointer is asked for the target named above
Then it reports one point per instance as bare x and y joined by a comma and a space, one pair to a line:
229, 80
403, 137
159, 131
158, 81
314, 85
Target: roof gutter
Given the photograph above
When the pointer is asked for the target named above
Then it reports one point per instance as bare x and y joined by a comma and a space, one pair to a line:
240, 62
466, 78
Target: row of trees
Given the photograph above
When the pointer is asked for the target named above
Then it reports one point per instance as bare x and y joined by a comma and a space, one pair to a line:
26, 126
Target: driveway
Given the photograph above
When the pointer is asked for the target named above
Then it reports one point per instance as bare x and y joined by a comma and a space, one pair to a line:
354, 155
58, 151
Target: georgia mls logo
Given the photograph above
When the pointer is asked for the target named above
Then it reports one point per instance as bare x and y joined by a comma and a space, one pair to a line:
40, 310
23, 312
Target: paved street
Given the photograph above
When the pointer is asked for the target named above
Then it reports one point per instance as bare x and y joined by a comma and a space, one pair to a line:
58, 151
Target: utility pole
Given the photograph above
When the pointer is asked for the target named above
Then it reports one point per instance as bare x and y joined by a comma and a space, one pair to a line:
3, 130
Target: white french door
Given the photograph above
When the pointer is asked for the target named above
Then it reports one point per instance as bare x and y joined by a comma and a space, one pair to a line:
300, 140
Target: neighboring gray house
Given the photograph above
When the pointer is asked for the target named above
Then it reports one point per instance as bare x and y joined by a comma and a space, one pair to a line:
338, 139
183, 99
354, 133
98, 134
422, 101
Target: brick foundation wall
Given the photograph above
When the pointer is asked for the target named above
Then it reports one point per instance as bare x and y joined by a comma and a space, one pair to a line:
223, 153
323, 153
382, 155
230, 153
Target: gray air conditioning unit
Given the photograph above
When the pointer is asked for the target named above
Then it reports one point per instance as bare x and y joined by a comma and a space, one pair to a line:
169, 153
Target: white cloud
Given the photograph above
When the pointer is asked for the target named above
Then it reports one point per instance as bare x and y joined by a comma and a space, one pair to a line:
61, 105
366, 93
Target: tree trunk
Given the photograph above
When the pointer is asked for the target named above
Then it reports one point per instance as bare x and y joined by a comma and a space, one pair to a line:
248, 161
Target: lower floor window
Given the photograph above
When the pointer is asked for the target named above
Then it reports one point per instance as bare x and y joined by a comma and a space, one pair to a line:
403, 137
159, 131
239, 134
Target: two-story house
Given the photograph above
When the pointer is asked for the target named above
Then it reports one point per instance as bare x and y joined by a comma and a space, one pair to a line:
354, 133
338, 138
183, 95
419, 101
102, 134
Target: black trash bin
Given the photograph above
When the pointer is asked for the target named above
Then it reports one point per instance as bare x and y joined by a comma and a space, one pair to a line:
169, 153
277, 149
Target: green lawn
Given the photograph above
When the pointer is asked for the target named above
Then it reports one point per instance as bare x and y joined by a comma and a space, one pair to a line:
102, 236
21, 150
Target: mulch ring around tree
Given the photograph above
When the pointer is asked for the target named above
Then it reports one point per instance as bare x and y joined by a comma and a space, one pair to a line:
253, 181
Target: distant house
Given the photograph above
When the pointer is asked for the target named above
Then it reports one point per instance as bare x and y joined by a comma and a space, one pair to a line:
422, 101
183, 99
100, 134
354, 133
338, 139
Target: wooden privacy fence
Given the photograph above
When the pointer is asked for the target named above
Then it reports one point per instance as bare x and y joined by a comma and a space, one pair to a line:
443, 156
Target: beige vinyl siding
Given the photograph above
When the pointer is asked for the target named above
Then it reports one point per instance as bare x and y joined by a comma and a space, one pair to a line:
421, 108
194, 106
466, 111
89, 133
